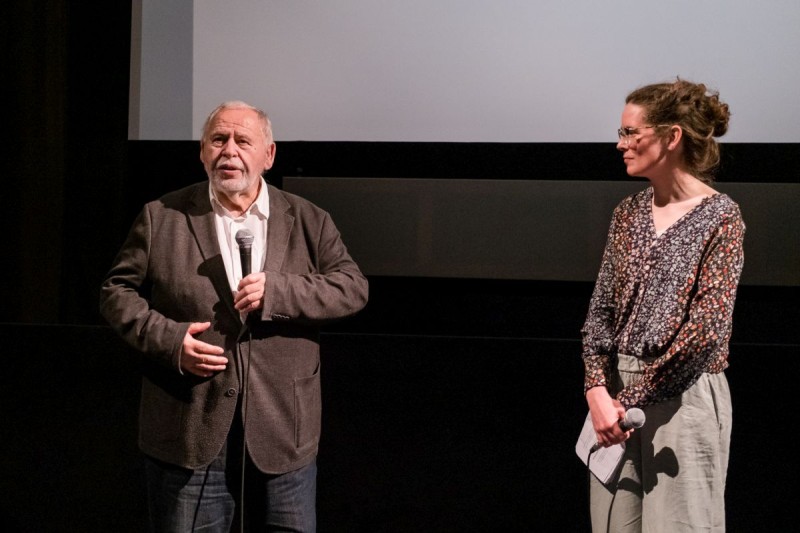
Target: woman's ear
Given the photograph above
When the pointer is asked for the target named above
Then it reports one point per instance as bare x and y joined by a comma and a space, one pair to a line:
674, 137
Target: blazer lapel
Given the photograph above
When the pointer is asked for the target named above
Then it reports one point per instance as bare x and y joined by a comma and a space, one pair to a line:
278, 229
204, 229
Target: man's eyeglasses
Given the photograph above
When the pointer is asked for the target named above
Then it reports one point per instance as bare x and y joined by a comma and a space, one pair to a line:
628, 135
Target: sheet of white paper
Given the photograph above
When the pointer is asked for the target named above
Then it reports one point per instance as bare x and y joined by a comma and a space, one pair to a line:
603, 462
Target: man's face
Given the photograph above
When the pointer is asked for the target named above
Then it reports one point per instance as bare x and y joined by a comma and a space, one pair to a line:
235, 152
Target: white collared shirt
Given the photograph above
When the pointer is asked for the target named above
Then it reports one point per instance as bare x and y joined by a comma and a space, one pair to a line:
254, 219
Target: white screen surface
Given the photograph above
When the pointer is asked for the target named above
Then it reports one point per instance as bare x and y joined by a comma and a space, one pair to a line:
460, 70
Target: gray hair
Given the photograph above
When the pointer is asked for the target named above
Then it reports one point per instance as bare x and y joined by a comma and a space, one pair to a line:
263, 118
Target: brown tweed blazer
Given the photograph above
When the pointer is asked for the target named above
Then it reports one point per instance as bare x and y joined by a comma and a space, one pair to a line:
170, 273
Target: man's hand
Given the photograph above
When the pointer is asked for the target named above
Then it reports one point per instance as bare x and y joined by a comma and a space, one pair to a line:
250, 295
200, 358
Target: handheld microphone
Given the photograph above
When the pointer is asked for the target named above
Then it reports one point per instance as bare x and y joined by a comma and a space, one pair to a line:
634, 419
244, 238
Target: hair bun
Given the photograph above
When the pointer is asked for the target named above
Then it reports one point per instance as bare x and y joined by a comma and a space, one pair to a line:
721, 114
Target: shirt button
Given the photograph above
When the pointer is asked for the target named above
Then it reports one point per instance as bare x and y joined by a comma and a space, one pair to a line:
230, 392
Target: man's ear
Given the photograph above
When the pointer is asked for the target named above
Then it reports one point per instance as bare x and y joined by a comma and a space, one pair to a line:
270, 156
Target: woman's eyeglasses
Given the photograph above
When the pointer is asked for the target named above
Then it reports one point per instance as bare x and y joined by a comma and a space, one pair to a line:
629, 135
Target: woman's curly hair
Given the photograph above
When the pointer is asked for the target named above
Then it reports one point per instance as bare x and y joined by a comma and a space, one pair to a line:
698, 111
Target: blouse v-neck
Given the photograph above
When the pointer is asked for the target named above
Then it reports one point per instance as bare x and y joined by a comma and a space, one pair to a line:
677, 221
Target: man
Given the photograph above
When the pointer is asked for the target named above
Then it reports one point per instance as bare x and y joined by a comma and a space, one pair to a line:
231, 364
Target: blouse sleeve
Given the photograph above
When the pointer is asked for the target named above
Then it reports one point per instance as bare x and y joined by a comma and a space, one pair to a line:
598, 330
701, 343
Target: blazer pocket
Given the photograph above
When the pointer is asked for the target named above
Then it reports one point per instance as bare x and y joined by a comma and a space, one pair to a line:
160, 415
307, 410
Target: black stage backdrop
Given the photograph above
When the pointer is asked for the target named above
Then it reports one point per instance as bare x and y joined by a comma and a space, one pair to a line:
441, 397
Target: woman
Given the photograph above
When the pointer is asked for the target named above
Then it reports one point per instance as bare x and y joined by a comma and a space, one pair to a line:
656, 335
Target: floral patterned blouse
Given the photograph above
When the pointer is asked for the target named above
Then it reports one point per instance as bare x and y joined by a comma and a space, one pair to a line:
667, 298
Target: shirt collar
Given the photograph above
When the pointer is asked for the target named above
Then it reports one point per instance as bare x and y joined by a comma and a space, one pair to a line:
259, 208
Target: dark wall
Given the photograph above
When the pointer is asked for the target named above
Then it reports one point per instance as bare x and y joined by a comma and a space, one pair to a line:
66, 71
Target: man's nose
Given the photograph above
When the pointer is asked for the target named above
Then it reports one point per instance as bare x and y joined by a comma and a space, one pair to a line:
230, 147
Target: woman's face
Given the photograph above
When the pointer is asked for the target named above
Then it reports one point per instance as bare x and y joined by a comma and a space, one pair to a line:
643, 152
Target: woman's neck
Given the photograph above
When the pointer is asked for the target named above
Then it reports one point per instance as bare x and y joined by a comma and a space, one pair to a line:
678, 187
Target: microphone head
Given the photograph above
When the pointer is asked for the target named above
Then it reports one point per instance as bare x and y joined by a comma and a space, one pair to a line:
244, 238
634, 418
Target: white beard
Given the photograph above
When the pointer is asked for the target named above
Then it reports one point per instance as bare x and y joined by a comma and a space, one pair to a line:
232, 186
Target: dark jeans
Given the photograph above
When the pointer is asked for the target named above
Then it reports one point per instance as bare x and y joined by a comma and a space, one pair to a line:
210, 499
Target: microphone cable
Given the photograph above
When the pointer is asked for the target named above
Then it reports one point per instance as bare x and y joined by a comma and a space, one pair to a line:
245, 386
244, 240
